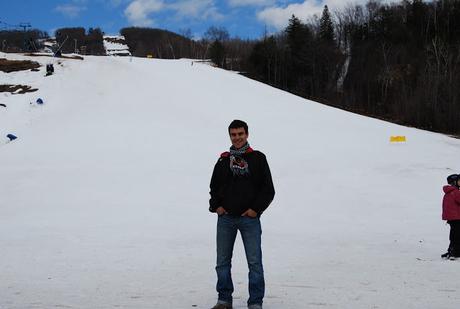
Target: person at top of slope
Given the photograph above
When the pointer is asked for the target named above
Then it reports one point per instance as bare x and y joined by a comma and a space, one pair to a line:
451, 213
241, 190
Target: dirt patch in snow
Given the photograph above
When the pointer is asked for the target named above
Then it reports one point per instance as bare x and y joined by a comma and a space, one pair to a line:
63, 57
9, 66
17, 89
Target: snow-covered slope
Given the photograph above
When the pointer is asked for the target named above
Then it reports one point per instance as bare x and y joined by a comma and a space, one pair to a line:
104, 195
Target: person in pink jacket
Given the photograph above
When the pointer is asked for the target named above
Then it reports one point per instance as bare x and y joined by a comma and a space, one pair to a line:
451, 213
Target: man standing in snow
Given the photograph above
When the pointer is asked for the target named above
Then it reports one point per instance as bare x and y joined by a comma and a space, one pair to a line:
241, 189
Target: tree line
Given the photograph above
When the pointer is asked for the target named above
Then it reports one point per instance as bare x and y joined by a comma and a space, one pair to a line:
69, 40
216, 44
78, 40
160, 43
13, 41
399, 61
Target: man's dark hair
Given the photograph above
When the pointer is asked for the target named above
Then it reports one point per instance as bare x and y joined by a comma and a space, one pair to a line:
235, 124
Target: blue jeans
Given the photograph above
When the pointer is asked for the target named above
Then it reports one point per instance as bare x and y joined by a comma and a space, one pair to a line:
251, 232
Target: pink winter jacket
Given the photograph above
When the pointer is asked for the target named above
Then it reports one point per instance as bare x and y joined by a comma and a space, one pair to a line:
451, 203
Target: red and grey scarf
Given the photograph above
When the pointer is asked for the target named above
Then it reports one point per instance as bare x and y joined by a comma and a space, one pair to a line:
238, 165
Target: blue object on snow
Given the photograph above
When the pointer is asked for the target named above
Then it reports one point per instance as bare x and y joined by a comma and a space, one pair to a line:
12, 137
39, 101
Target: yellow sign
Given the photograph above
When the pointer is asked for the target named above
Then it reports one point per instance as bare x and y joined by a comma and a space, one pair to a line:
149, 56
398, 139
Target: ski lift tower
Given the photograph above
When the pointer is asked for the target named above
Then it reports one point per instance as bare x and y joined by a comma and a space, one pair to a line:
24, 26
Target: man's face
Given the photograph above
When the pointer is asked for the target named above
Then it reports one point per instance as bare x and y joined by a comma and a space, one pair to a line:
238, 137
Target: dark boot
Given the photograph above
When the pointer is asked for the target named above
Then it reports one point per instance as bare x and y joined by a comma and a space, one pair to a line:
222, 306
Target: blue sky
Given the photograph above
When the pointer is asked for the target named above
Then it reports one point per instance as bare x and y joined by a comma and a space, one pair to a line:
243, 18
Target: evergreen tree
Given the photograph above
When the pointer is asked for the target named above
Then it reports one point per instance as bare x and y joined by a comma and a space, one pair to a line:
326, 27
300, 57
298, 35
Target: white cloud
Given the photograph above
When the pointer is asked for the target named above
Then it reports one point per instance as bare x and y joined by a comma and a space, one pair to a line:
70, 10
197, 9
278, 17
138, 11
212, 13
235, 3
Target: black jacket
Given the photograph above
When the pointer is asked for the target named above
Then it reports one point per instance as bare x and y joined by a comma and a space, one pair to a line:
236, 194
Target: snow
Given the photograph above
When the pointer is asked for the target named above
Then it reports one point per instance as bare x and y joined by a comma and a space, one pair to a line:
104, 195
